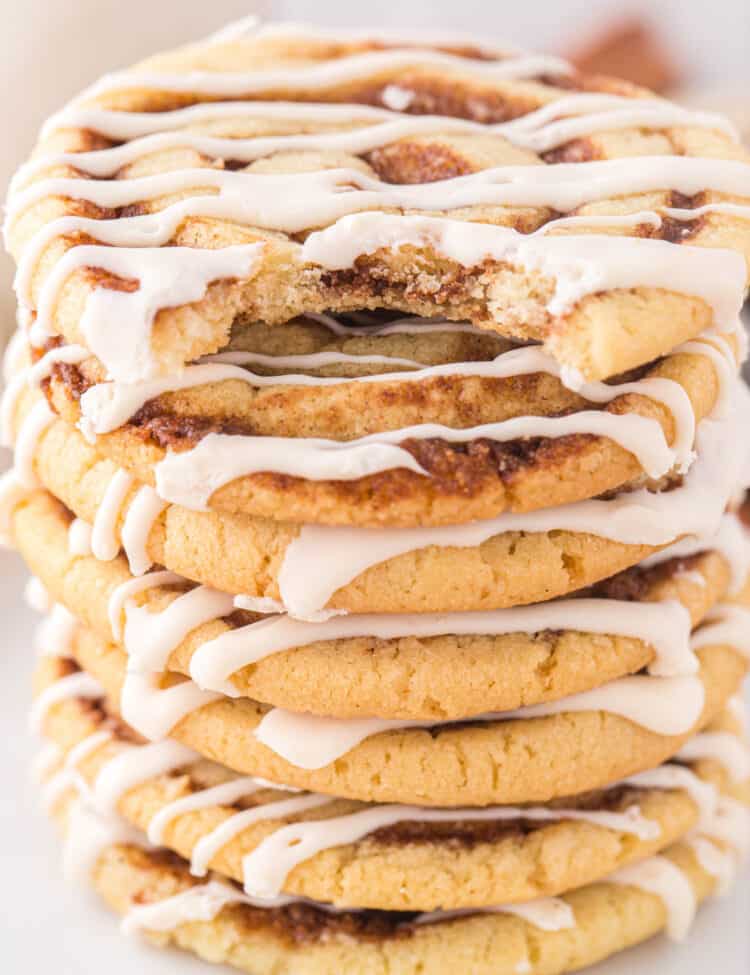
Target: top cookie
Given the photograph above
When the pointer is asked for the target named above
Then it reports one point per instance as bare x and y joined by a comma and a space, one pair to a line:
290, 172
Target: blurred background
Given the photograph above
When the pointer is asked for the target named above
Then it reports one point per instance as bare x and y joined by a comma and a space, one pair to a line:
50, 49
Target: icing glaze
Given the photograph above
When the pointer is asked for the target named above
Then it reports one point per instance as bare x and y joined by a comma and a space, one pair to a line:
715, 861
154, 711
722, 747
570, 117
212, 843
88, 835
663, 705
36, 596
725, 624
226, 793
664, 879
150, 638
104, 542
142, 514
201, 903
36, 422
665, 626
134, 766
117, 324
131, 587
190, 477
54, 635
78, 685
266, 868
730, 541
306, 582
579, 265
80, 537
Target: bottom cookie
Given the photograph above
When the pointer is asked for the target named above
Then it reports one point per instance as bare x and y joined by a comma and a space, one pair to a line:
156, 895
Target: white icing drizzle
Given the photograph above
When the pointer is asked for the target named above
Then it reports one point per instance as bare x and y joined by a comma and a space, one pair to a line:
88, 834
725, 367
692, 576
226, 793
80, 537
322, 75
212, 843
206, 901
728, 624
603, 112
36, 422
131, 587
192, 905
665, 626
78, 685
638, 699
117, 324
544, 913
580, 265
134, 766
201, 903
715, 861
87, 747
56, 787
191, 477
220, 457
68, 776
640, 517
730, 541
264, 604
15, 354
151, 637
396, 98
104, 542
663, 705
659, 876
36, 596
154, 711
541, 130
676, 777
722, 747
274, 200
24, 376
140, 518
267, 867
55, 634
731, 826
71, 354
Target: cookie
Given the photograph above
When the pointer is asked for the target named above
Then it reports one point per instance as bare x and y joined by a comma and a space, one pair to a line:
391, 667
427, 572
566, 748
478, 477
408, 863
260, 227
157, 895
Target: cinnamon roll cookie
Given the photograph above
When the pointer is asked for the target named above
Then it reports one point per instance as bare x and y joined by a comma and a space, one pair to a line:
234, 181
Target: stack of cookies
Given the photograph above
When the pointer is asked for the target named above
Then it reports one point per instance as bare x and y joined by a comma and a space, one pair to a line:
380, 459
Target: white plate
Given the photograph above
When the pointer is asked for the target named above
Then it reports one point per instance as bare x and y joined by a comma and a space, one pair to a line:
47, 926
